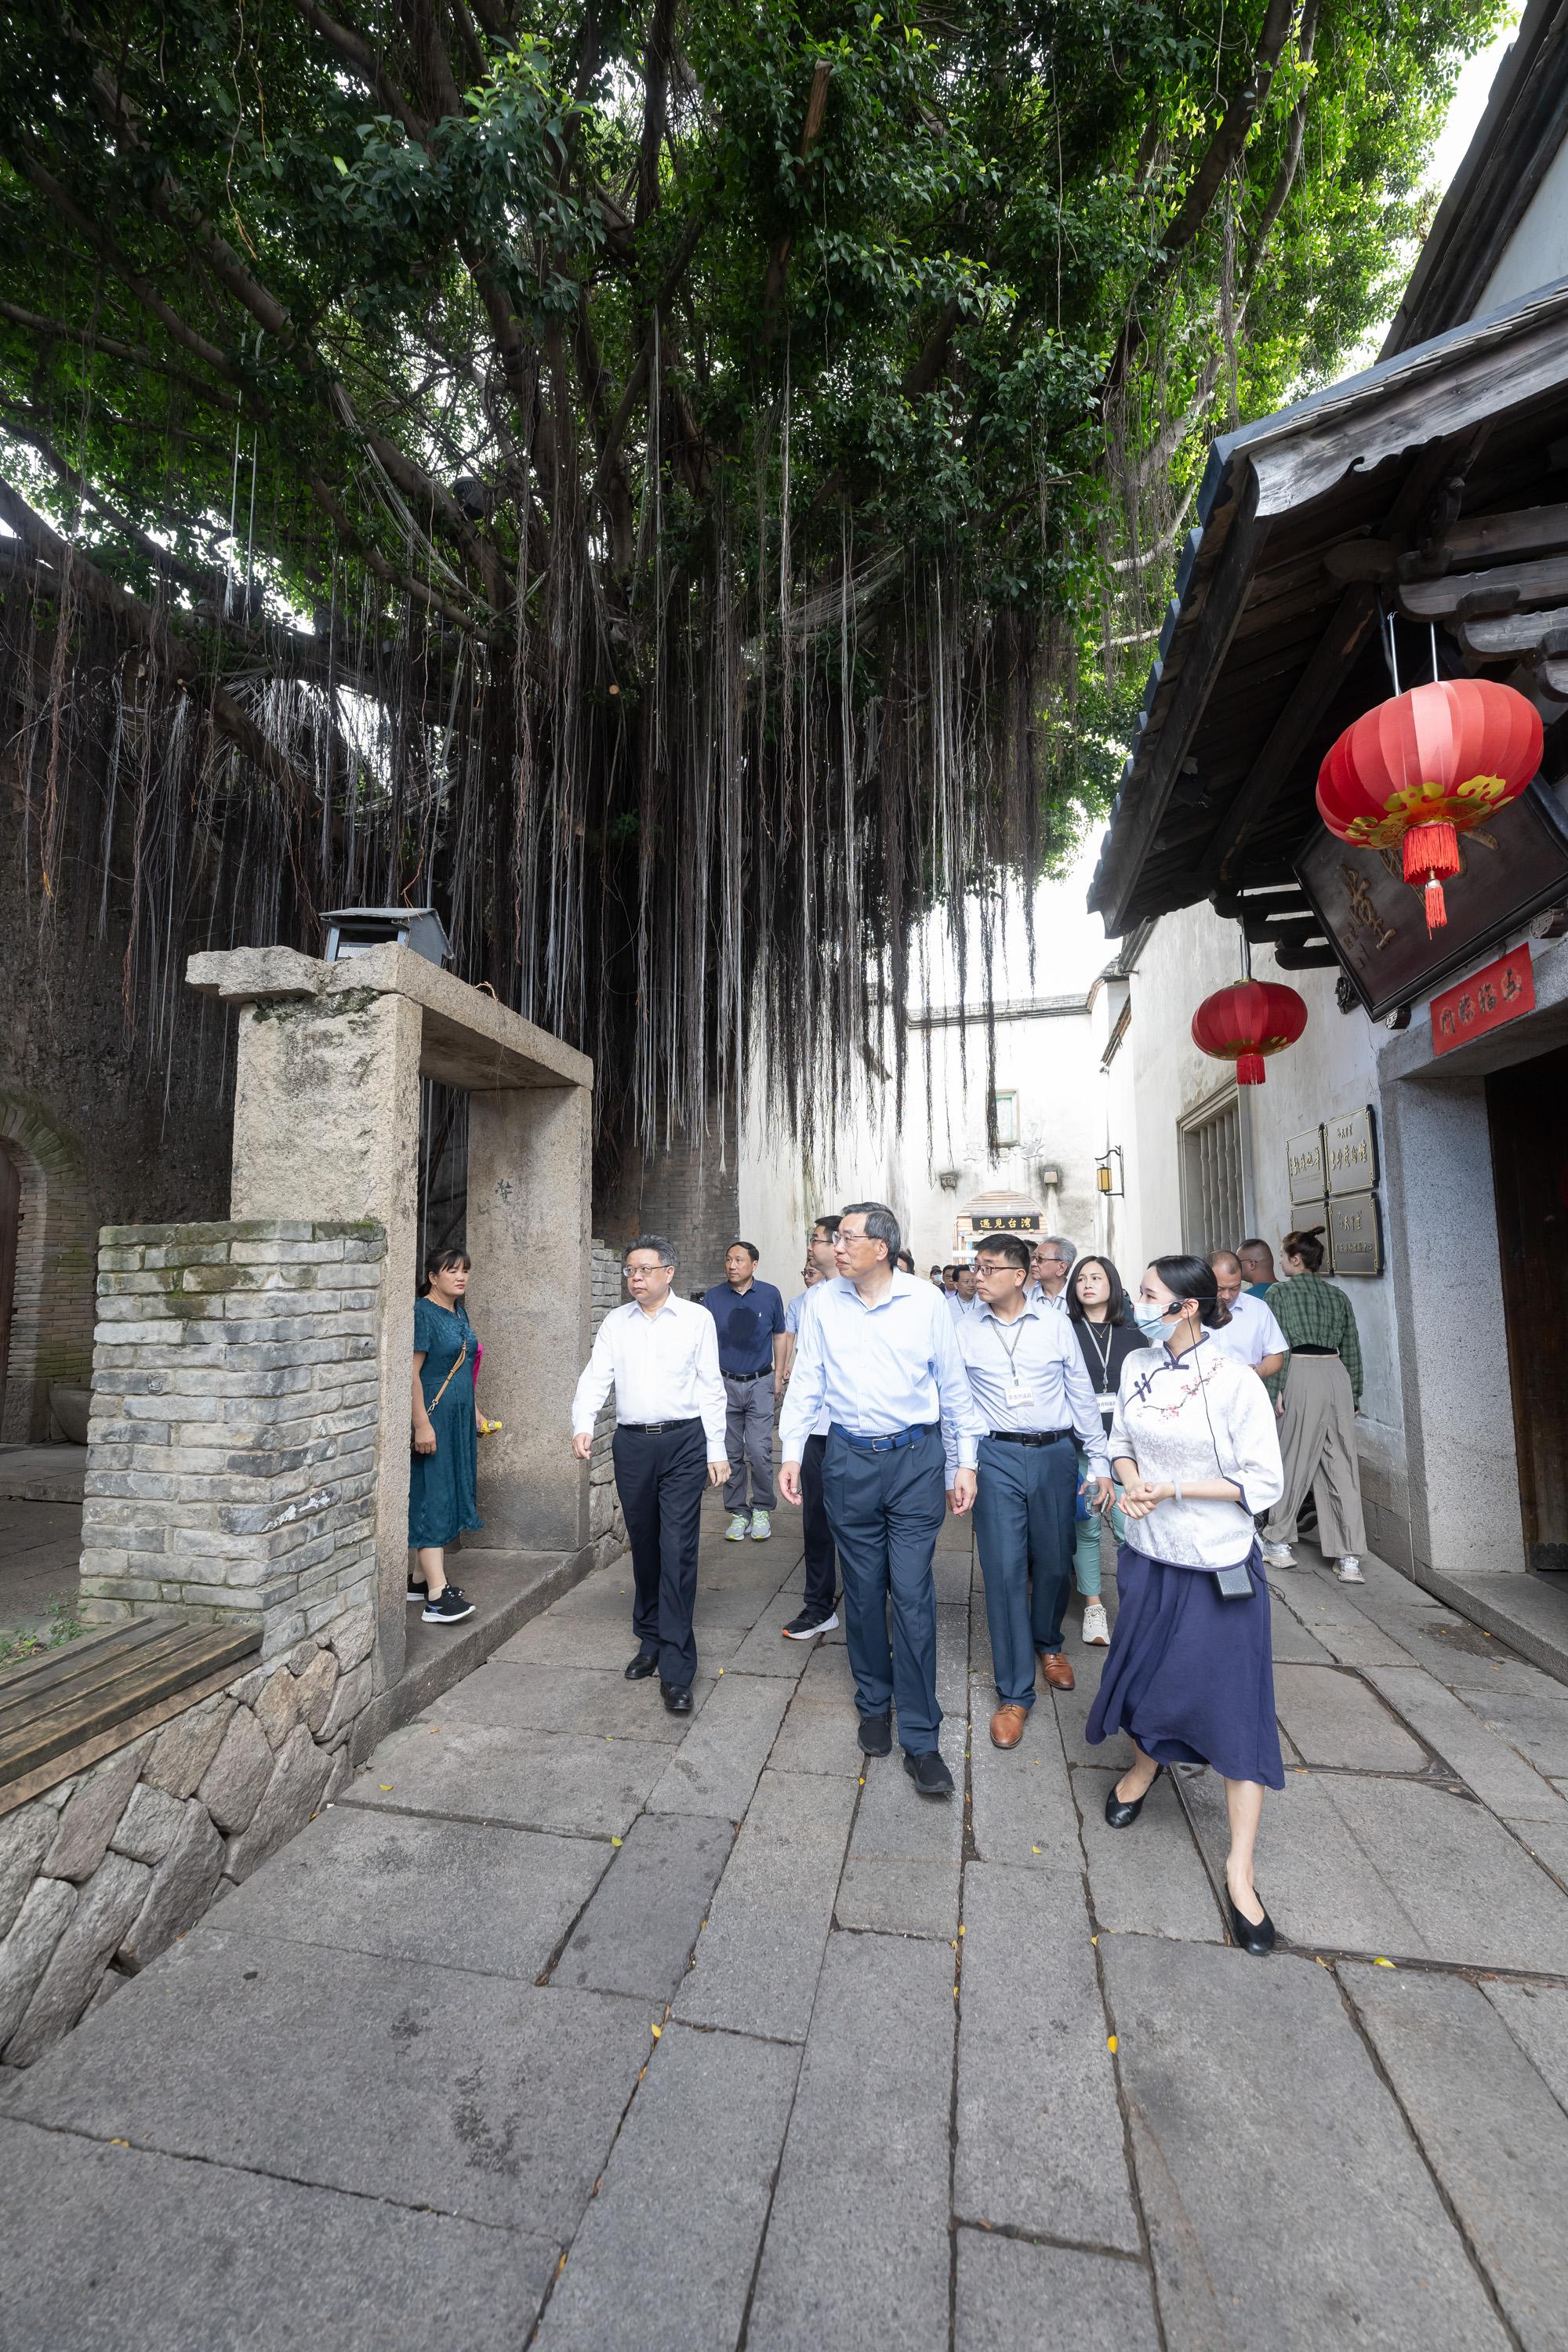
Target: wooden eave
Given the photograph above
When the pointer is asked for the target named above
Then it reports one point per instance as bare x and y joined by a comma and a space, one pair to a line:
1266, 652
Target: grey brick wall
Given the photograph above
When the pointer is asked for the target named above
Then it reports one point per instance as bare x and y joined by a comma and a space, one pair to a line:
690, 1193
231, 1452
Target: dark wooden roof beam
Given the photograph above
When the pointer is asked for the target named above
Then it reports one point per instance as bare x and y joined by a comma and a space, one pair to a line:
1524, 584
1306, 958
1544, 632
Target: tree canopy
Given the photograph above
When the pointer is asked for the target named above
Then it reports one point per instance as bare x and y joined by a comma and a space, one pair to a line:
688, 486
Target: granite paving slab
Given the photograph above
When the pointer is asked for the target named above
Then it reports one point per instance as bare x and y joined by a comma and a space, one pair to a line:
1149, 1880
1322, 1888
637, 1933
116, 2250
817, 1735
901, 1874
587, 1702
715, 1768
952, 1568
1475, 1895
765, 1652
1535, 1721
1022, 1810
1295, 2212
489, 1773
1482, 1758
663, 2261
952, 1661
1041, 2142
498, 2107
1537, 2017
1072, 1716
445, 1894
866, 2160
758, 1957
602, 1644
1292, 1642
827, 1673
1318, 1604
1489, 2127
1033, 2298
1333, 1718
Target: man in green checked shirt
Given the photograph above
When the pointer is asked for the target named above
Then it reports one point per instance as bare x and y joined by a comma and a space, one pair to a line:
1318, 1396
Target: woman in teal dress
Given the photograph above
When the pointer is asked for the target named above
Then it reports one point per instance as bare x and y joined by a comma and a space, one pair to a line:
444, 1475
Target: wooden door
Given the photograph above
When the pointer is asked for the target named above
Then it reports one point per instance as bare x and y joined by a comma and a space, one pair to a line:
10, 1226
1527, 1109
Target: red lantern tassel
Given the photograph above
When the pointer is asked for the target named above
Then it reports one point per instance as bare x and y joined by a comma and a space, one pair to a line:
1250, 1071
1437, 906
1432, 850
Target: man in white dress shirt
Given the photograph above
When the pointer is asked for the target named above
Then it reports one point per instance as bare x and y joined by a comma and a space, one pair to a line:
1049, 1267
876, 1349
1036, 1403
961, 1298
1253, 1335
660, 1354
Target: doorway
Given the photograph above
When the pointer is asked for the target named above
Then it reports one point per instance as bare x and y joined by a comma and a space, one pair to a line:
1527, 1112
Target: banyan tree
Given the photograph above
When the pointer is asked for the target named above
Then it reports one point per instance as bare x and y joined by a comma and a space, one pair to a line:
688, 486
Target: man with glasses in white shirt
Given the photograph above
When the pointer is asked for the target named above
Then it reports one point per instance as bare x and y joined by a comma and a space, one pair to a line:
876, 1349
1048, 1268
660, 1354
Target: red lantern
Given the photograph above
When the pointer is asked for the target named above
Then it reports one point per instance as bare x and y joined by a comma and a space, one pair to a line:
1245, 1020
1424, 767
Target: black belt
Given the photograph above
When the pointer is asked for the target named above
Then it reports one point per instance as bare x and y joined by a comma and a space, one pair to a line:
657, 1428
750, 1376
1305, 1350
895, 1440
1029, 1436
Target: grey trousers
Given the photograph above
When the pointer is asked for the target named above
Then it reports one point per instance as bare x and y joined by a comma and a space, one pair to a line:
749, 1442
1317, 1438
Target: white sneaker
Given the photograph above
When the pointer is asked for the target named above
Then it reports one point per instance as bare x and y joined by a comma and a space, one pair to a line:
762, 1527
1278, 1556
736, 1531
1348, 1569
1096, 1625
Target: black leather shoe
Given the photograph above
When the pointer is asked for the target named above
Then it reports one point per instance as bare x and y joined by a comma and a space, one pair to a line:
1122, 1811
677, 1697
645, 1663
876, 1735
1254, 1935
929, 1774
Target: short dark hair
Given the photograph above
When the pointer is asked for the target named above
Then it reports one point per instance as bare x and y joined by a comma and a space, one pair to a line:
438, 1261
828, 1226
907, 1258
1012, 1246
881, 1225
936, 1269
664, 1250
752, 1252
1118, 1312
1254, 1241
1306, 1243
949, 1268
1194, 1278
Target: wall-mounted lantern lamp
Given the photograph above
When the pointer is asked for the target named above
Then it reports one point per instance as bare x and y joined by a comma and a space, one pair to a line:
1108, 1172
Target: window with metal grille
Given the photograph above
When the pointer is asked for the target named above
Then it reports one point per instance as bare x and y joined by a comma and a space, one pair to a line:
1213, 1179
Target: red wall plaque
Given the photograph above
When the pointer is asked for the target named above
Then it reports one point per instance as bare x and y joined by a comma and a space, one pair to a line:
1500, 992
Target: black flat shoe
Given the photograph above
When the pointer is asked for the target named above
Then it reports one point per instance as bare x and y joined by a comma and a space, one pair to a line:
1122, 1811
876, 1735
929, 1774
645, 1663
1254, 1935
677, 1699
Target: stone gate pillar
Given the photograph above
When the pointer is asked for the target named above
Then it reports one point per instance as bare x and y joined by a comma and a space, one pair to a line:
326, 1125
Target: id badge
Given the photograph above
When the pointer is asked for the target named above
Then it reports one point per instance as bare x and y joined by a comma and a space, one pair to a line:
1106, 1399
1016, 1392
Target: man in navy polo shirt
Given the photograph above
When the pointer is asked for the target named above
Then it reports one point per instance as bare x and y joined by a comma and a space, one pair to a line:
750, 1318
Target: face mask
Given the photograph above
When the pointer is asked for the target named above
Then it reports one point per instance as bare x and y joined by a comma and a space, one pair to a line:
1151, 1321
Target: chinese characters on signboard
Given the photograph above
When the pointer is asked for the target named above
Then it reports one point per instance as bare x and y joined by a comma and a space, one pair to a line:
1355, 1234
1499, 993
1304, 1162
1332, 1169
1350, 1152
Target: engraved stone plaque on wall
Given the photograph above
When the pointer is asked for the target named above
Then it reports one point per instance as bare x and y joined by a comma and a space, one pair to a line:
1355, 1234
1350, 1152
1304, 1160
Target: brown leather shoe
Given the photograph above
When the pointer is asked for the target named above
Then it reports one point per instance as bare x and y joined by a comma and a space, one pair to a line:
1007, 1726
1056, 1670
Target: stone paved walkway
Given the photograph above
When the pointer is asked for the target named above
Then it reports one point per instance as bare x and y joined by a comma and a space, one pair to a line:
568, 2027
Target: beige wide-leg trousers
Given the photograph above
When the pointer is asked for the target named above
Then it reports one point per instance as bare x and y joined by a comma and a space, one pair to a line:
1317, 1438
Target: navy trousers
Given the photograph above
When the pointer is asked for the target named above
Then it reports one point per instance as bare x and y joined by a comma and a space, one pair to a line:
885, 1511
1025, 1534
660, 1477
821, 1559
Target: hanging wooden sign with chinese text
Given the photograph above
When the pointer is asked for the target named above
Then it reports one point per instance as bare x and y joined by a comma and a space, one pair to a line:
1500, 992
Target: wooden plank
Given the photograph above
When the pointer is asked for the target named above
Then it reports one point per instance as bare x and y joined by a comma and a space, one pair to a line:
1533, 583
40, 1673
15, 1794
1527, 531
1513, 633
56, 1729
99, 1671
1301, 713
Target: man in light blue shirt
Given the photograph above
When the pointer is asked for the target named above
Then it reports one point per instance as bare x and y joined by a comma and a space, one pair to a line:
1028, 1385
876, 1349
961, 1300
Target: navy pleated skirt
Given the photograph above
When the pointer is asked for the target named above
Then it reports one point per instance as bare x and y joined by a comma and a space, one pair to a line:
1189, 1675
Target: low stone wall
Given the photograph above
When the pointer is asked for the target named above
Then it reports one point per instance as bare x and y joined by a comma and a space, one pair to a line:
606, 1528
103, 1872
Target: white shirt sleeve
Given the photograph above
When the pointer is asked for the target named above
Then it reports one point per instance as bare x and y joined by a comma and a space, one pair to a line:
1254, 1433
959, 1409
710, 1389
598, 1377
